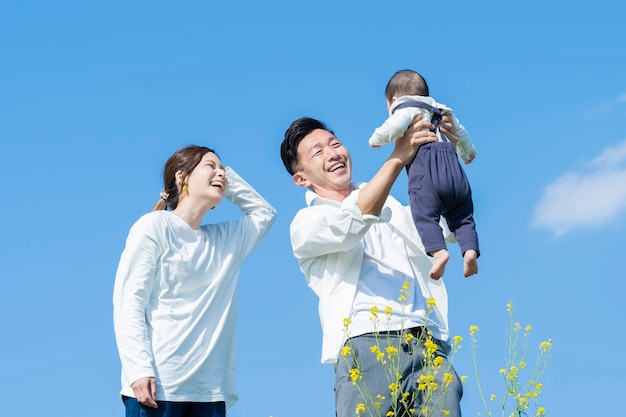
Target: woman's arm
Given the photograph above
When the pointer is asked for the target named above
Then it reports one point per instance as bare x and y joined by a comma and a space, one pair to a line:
133, 285
259, 214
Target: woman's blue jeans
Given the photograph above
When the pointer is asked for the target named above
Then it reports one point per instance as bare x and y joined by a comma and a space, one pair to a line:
174, 409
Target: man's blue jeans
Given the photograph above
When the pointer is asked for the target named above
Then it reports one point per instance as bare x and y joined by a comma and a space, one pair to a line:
411, 360
174, 409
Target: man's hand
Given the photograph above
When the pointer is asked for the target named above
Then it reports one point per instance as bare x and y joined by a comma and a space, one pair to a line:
145, 391
416, 135
447, 128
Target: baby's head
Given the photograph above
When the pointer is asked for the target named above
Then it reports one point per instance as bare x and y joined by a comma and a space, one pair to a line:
405, 83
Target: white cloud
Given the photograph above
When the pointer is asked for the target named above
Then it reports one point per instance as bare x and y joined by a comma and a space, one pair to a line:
592, 197
597, 111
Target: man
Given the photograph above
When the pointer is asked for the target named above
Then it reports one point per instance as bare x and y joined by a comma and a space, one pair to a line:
358, 249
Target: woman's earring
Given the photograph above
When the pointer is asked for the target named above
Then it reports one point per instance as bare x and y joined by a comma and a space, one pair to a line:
185, 189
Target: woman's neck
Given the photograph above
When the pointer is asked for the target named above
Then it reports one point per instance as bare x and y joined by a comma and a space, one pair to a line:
191, 213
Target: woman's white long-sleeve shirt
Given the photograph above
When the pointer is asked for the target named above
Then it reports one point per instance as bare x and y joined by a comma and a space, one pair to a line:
327, 240
175, 298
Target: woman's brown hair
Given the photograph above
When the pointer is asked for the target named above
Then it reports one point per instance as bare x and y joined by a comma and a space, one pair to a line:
186, 160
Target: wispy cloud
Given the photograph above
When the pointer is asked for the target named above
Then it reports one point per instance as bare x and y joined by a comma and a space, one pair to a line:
592, 197
597, 111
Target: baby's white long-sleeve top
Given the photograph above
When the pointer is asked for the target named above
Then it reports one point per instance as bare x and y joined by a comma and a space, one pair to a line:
399, 120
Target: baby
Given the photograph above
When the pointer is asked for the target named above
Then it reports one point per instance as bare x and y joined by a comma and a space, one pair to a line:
438, 186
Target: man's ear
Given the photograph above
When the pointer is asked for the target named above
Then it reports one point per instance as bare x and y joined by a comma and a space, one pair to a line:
301, 180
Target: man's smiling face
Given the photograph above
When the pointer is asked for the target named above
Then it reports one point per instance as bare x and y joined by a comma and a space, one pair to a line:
324, 165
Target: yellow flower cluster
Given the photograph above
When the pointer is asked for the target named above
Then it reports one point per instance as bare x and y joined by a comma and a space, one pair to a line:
426, 382
379, 354
355, 375
435, 379
346, 351
431, 347
546, 345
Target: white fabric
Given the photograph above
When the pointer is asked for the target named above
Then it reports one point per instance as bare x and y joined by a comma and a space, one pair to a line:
175, 298
399, 121
327, 240
384, 271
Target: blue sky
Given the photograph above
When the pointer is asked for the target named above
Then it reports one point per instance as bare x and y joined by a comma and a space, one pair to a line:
94, 96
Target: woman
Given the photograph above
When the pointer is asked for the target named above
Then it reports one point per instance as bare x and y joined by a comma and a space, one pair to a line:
175, 290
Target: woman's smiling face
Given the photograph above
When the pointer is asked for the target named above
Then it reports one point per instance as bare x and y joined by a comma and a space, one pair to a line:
207, 181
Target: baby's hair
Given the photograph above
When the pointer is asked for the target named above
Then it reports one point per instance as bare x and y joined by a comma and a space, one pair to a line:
406, 83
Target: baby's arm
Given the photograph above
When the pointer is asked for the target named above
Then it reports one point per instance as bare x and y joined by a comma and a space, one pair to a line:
464, 145
393, 128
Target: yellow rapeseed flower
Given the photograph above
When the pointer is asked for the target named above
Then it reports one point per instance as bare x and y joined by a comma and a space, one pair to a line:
360, 409
346, 351
546, 345
431, 347
493, 397
445, 412
390, 414
463, 378
391, 351
541, 412
523, 402
355, 375
346, 322
457, 340
431, 302
447, 379
522, 364
472, 330
388, 310
394, 387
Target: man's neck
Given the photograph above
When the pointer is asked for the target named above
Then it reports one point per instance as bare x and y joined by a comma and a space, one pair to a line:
337, 195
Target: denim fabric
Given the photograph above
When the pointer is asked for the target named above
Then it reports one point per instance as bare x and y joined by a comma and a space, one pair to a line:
411, 356
174, 409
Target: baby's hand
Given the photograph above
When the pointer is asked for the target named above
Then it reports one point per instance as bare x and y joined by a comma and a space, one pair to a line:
470, 158
374, 146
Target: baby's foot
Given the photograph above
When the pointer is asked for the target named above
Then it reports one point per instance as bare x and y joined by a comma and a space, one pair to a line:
439, 267
470, 266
